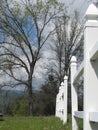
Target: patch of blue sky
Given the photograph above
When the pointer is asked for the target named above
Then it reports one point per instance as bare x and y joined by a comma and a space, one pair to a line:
30, 30
1, 36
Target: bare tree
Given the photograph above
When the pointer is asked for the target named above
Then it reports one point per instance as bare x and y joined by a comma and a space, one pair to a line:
24, 29
68, 34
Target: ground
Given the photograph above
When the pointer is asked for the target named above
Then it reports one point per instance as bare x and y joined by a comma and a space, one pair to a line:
34, 123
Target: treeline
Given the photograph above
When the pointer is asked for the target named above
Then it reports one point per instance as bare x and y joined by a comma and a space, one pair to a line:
43, 100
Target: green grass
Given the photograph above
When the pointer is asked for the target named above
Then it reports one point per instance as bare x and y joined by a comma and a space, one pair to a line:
34, 123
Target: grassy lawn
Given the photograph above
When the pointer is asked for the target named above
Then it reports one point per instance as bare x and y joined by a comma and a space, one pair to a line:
34, 123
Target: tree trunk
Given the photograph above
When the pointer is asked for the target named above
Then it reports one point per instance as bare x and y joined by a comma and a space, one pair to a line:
30, 92
30, 99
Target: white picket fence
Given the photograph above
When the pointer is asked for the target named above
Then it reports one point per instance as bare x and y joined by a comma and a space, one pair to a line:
61, 101
89, 70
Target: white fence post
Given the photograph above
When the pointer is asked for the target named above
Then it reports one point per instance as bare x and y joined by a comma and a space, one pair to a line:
90, 68
60, 103
65, 99
74, 93
62, 100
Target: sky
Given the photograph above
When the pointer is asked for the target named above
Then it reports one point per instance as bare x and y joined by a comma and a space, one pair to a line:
71, 5
79, 5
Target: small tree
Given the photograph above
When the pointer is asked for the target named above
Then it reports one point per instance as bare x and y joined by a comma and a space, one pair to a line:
20, 106
49, 91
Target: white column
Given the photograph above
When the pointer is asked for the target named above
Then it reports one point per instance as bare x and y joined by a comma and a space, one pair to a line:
74, 93
90, 68
65, 99
62, 101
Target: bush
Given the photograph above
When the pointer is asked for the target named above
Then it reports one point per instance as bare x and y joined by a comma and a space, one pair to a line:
1, 117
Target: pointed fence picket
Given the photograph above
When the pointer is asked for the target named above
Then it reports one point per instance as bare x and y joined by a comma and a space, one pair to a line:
61, 101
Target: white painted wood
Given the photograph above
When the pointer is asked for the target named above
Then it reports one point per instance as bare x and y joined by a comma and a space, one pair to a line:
65, 99
78, 73
93, 116
92, 12
74, 93
62, 101
90, 69
79, 114
94, 52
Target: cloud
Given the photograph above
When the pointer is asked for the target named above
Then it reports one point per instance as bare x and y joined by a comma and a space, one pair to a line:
40, 72
79, 5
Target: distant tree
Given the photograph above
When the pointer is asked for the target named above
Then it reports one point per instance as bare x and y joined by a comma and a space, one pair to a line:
48, 92
24, 29
68, 34
20, 106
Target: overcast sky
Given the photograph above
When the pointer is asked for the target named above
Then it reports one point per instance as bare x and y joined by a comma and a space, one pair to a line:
79, 5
